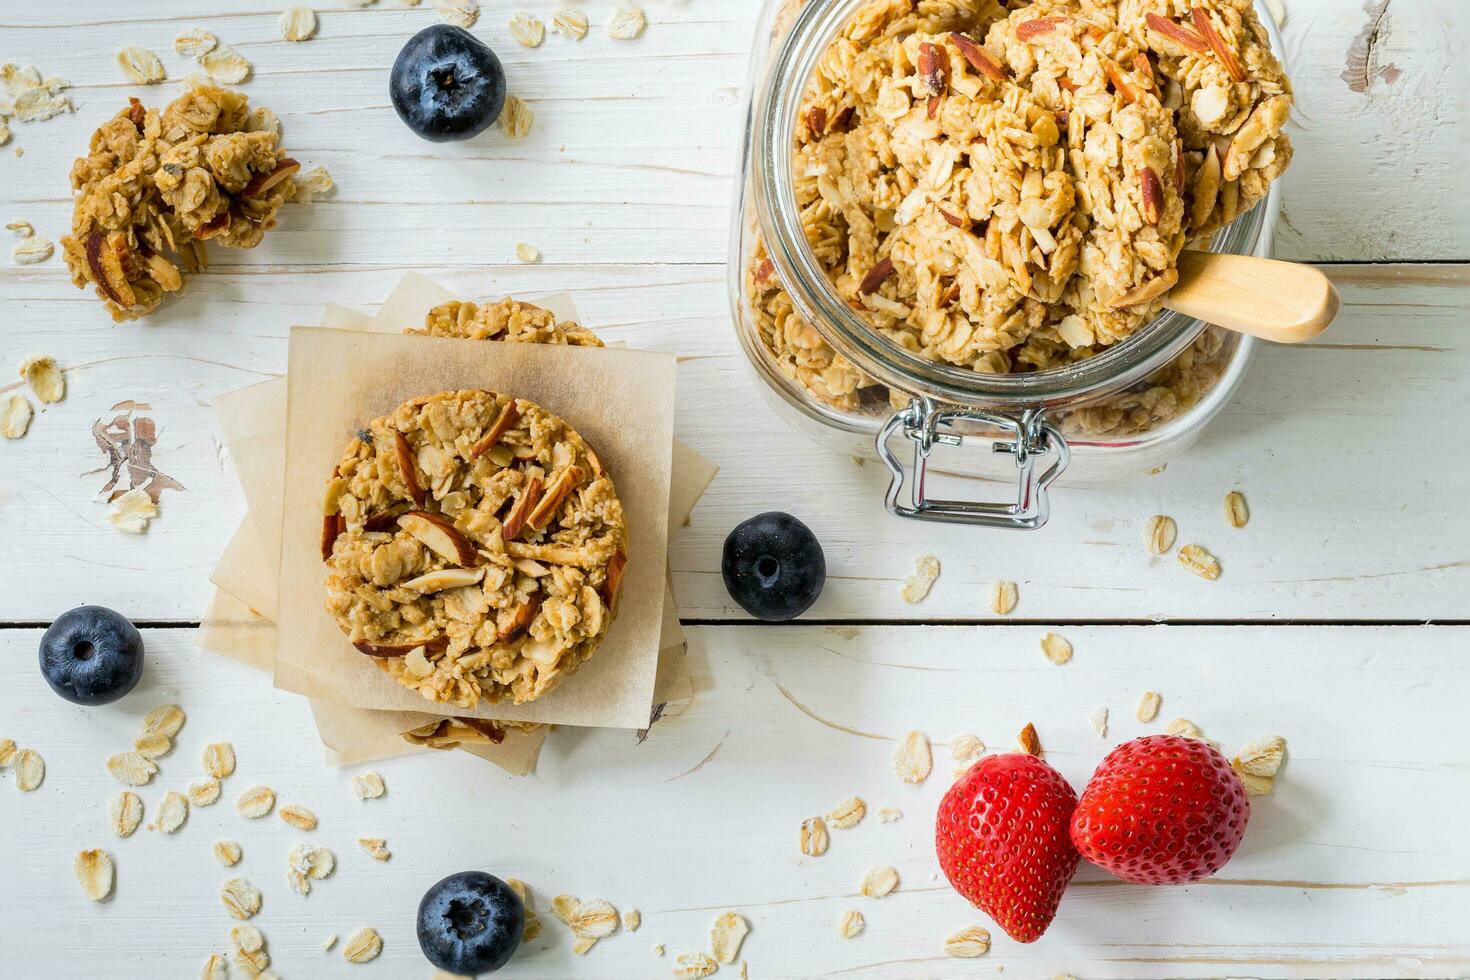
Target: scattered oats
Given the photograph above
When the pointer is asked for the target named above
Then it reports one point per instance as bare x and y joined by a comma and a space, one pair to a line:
1148, 706
298, 816
93, 869
963, 747
375, 848
7, 751
140, 65
165, 720
219, 759
227, 853
22, 228
204, 792
912, 760
329, 942
305, 863
132, 768
124, 813
5, 135
1199, 561
132, 511
851, 924
46, 379
32, 251
1184, 727
214, 968
1098, 719
726, 935
363, 945
848, 814
632, 919
1261, 756
968, 943
315, 181
570, 22
594, 919
1028, 741
1159, 534
368, 785
38, 105
1237, 514
151, 745
527, 30
173, 810
255, 802
658, 949
460, 13
690, 966
890, 814
225, 64
1058, 649
250, 954
17, 417
1003, 597
297, 23
516, 118
917, 585
527, 253
241, 899
195, 43
880, 880
626, 24
814, 839
564, 907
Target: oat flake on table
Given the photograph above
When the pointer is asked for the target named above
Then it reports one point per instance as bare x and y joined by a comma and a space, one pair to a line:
255, 802
626, 24
691, 966
311, 183
204, 792
889, 814
1098, 719
94, 872
173, 810
298, 816
814, 838
32, 251
45, 377
151, 745
1184, 728
963, 747
1237, 512
214, 968
375, 848
632, 919
17, 416
30, 770
460, 13
968, 943
1003, 598
851, 923
240, 898
195, 43
527, 30
132, 511
1058, 649
848, 814
7, 751
362, 946
528, 254
225, 64
297, 23
140, 65
516, 118
167, 719
219, 759
1195, 558
570, 22
227, 852
124, 813
1159, 534
917, 585
368, 785
1148, 706
305, 864
132, 768
912, 760
879, 881
726, 935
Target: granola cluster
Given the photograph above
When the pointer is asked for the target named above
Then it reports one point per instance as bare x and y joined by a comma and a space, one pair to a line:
475, 547
156, 186
1008, 189
508, 320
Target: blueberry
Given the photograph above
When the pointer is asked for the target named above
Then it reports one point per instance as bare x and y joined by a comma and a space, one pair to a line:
470, 923
92, 655
774, 567
447, 84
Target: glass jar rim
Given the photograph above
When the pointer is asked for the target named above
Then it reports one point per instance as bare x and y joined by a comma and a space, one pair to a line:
775, 111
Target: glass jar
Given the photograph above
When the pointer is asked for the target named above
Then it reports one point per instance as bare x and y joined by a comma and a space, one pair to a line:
1127, 410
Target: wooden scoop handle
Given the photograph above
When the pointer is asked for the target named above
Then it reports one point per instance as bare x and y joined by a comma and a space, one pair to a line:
1284, 302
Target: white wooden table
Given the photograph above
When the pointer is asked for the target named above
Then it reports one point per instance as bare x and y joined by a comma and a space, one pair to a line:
1340, 621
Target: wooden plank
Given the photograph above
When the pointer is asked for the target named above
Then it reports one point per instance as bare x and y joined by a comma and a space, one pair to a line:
1332, 428
635, 146
1336, 877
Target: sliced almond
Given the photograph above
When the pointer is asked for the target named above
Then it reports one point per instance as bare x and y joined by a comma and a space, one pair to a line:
445, 578
913, 761
546, 508
521, 621
440, 536
1028, 741
516, 520
612, 585
1114, 71
1177, 33
332, 527
979, 59
933, 71
261, 183
436, 645
1037, 26
876, 276
1148, 291
504, 422
1212, 37
1153, 195
93, 869
408, 468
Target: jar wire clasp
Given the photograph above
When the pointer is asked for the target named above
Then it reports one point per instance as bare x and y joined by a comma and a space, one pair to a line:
1027, 439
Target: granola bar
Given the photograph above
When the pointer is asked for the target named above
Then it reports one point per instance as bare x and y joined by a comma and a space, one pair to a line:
475, 547
1008, 189
155, 186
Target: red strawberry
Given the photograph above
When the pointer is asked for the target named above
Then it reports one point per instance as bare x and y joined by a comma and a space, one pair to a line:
1161, 810
1001, 834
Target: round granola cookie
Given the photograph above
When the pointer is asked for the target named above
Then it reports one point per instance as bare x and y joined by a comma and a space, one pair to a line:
475, 547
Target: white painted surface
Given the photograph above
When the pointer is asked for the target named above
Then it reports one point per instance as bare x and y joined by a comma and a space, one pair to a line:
1356, 866
1346, 451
